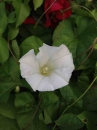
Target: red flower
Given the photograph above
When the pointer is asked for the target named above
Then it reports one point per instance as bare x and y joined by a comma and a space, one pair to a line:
29, 20
55, 11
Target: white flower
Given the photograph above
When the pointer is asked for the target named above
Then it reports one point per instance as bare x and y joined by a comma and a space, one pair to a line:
50, 69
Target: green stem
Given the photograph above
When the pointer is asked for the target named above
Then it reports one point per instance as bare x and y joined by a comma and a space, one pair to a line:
78, 98
44, 13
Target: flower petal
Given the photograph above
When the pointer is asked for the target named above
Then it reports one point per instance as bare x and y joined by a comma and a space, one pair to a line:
65, 73
27, 70
63, 62
57, 81
60, 52
45, 85
45, 53
34, 80
52, 82
30, 59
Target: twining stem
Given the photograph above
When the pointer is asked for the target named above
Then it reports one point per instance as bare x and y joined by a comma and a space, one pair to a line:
44, 13
88, 11
85, 59
91, 47
12, 52
33, 114
78, 98
83, 8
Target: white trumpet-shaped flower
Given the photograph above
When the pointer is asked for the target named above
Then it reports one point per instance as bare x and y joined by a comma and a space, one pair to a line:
50, 69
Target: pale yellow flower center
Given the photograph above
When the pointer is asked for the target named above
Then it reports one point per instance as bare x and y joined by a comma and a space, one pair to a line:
45, 70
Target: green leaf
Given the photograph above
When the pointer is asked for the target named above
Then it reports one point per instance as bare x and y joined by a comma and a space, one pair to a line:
4, 51
53, 109
71, 93
24, 100
68, 121
67, 93
26, 115
24, 119
90, 119
13, 32
45, 34
11, 17
30, 43
8, 109
16, 49
10, 69
90, 100
7, 123
49, 113
44, 116
48, 98
81, 23
7, 85
22, 10
83, 82
80, 11
77, 39
3, 18
9, 77
4, 98
37, 3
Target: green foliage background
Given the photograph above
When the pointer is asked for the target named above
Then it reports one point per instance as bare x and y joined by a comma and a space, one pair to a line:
73, 107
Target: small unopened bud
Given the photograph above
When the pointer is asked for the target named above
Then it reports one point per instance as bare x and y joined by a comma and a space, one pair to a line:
17, 89
95, 46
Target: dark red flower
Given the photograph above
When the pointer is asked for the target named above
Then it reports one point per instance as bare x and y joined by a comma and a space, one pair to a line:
55, 11
29, 20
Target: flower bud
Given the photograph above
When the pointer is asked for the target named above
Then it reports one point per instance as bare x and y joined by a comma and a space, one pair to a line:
17, 89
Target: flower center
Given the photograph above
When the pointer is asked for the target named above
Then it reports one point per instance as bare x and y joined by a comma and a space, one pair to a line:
45, 70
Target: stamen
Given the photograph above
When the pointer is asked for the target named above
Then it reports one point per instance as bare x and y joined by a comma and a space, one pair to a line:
45, 70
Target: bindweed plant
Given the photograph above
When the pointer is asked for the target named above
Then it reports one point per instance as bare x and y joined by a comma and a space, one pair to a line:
48, 65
